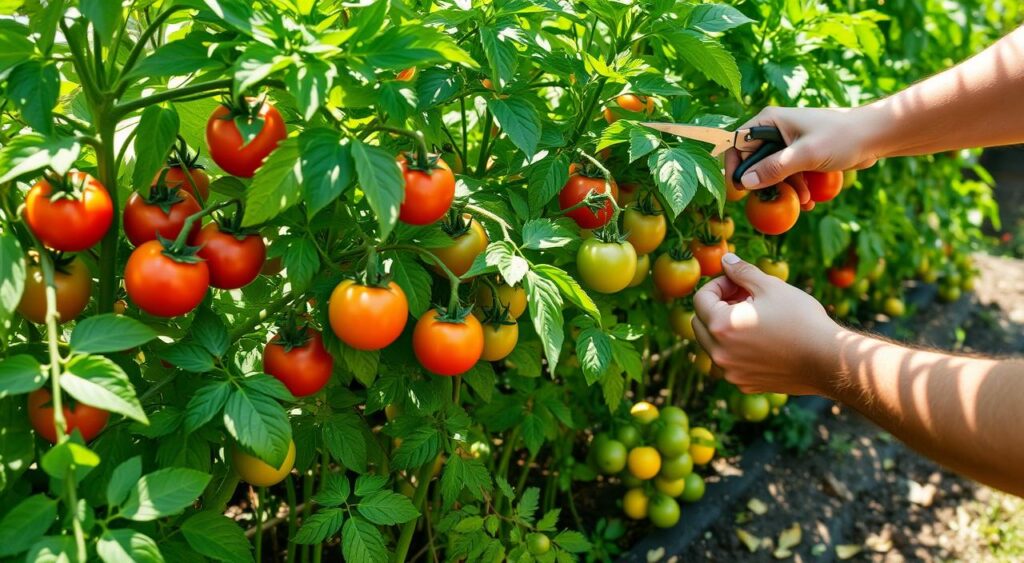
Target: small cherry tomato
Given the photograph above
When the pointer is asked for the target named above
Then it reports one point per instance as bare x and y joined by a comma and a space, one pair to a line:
162, 213
459, 256
732, 193
721, 227
234, 260
164, 286
368, 317
606, 267
73, 284
232, 152
709, 256
575, 191
86, 419
682, 322
428, 192
304, 366
776, 268
843, 276
511, 298
631, 103
447, 347
775, 210
824, 186
71, 222
676, 278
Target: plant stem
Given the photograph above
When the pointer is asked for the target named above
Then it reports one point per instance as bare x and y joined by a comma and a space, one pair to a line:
107, 172
140, 46
405, 538
124, 109
182, 240
524, 474
307, 495
243, 327
289, 485
260, 495
481, 162
453, 298
325, 461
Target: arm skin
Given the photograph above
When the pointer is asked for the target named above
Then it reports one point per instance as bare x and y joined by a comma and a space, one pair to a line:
963, 412
977, 103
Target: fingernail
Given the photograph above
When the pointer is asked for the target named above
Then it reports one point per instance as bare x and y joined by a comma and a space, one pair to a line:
730, 258
750, 180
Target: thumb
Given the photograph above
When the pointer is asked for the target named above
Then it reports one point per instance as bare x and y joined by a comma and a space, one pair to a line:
777, 167
745, 274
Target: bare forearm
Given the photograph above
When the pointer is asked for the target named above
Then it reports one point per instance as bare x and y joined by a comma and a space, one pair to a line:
963, 412
974, 104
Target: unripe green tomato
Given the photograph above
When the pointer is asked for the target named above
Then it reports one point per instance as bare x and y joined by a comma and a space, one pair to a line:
755, 407
878, 271
694, 490
611, 456
674, 415
842, 308
672, 440
538, 543
849, 178
629, 435
677, 467
861, 286
949, 293
777, 400
894, 307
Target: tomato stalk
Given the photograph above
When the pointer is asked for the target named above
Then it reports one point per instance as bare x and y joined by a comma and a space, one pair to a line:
181, 242
485, 146
405, 537
453, 300
260, 497
422, 153
289, 485
121, 110
140, 46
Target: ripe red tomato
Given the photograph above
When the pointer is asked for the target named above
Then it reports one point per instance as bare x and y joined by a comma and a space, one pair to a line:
675, 278
368, 317
447, 348
428, 194
774, 211
709, 256
824, 186
406, 75
843, 276
304, 369
176, 178
459, 256
87, 419
234, 262
74, 285
731, 192
70, 223
576, 190
145, 218
162, 286
230, 150
644, 232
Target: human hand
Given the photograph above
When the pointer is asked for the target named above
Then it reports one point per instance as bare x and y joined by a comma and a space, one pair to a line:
764, 334
816, 139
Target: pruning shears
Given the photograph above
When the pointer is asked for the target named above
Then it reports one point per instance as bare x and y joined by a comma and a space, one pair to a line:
759, 141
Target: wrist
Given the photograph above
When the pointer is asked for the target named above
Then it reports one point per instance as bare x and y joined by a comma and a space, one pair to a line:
833, 379
878, 129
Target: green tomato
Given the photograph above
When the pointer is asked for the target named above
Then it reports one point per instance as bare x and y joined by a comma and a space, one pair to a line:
675, 415
663, 511
672, 440
755, 407
677, 467
777, 400
538, 544
610, 456
694, 490
629, 435
606, 267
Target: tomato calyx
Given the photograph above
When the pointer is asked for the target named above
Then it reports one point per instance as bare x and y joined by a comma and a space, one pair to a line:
768, 194
680, 252
423, 162
706, 238
231, 224
453, 314
647, 204
245, 112
180, 253
61, 260
162, 196
292, 334
498, 314
184, 158
456, 223
63, 186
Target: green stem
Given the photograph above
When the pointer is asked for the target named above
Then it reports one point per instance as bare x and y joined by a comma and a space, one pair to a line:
465, 140
453, 298
182, 240
417, 136
260, 496
140, 46
587, 112
126, 108
78, 54
307, 496
289, 485
325, 462
525, 473
481, 162
107, 172
405, 538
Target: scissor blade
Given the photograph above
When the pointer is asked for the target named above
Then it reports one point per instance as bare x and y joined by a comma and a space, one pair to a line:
722, 139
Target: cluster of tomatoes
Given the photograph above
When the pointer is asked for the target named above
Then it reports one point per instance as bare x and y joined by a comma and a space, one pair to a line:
654, 455
755, 407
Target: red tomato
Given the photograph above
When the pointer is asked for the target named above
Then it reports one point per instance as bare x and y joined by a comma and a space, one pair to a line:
230, 150
675, 278
162, 286
824, 186
368, 317
406, 75
234, 262
176, 178
709, 256
576, 190
428, 195
732, 193
144, 220
73, 283
774, 211
71, 223
447, 348
88, 420
843, 276
303, 369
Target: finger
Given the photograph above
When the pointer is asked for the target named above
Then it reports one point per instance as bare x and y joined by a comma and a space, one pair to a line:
704, 338
777, 167
745, 275
799, 184
808, 205
713, 296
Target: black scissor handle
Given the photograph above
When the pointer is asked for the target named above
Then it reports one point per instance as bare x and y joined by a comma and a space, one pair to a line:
772, 143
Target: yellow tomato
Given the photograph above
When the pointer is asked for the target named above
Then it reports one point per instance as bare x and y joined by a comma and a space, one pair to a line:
644, 462
702, 445
259, 473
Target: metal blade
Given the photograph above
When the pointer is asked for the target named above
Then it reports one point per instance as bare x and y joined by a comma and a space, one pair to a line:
723, 140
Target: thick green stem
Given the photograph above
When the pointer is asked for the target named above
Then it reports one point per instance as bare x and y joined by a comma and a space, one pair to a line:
186, 228
485, 149
140, 46
405, 538
260, 495
126, 108
107, 171
289, 484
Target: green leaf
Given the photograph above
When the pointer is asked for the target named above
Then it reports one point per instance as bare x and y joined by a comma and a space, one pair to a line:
673, 174
387, 508
713, 18
363, 364
628, 358
709, 57
572, 541
99, 382
320, 526
502, 254
105, 16
302, 261
164, 492
334, 492
12, 278
20, 374
310, 81
361, 541
30, 152
386, 390
641, 142
788, 77
481, 379
345, 440
209, 331
594, 350
122, 479
436, 86
417, 449
216, 536
545, 180
52, 549
258, 63
26, 523
549, 521
519, 120
179, 58
267, 385
109, 333
189, 356
400, 47
464, 475
327, 168
414, 280
67, 457
655, 84
381, 180
259, 424
613, 385
834, 237
154, 137
128, 546
570, 288
33, 86
542, 234
205, 403
366, 484
546, 313
498, 41
15, 46
528, 504
275, 187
